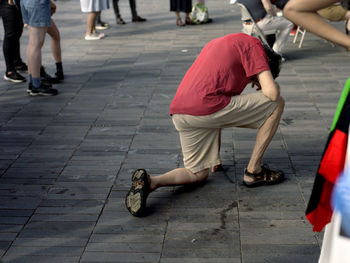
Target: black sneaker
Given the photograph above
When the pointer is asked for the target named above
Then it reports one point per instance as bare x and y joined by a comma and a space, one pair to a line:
46, 78
22, 67
14, 77
100, 25
59, 75
139, 19
43, 90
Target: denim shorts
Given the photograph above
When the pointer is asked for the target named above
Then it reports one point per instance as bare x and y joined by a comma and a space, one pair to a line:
36, 13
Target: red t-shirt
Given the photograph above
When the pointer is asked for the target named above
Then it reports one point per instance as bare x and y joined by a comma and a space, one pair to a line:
223, 69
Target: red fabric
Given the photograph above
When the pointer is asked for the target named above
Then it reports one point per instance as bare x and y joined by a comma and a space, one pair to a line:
322, 215
332, 163
223, 69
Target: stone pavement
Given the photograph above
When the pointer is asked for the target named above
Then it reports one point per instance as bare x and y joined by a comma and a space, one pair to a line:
66, 161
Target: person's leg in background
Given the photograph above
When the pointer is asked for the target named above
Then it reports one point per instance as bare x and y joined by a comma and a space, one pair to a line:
13, 27
278, 23
135, 16
56, 49
101, 25
91, 33
118, 17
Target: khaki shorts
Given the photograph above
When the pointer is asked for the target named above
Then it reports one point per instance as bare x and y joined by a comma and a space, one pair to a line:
199, 135
333, 13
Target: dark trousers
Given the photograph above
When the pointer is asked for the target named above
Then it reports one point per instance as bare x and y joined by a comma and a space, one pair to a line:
132, 4
13, 27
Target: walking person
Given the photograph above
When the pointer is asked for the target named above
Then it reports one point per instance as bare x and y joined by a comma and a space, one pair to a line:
10, 12
209, 99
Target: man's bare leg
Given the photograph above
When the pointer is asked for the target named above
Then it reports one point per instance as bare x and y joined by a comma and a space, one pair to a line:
263, 139
55, 41
36, 41
143, 184
179, 176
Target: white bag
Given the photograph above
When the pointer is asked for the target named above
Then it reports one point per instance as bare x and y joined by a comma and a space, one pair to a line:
335, 247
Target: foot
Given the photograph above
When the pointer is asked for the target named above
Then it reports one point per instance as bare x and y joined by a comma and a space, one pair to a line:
15, 77
42, 90
188, 21
47, 78
102, 25
59, 74
265, 177
179, 22
139, 19
120, 21
135, 199
217, 168
22, 67
94, 36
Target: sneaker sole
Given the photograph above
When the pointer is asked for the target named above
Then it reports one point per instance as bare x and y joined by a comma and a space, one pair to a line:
39, 94
135, 199
101, 28
13, 80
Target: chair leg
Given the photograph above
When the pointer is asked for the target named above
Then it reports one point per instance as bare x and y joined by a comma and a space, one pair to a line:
302, 38
296, 35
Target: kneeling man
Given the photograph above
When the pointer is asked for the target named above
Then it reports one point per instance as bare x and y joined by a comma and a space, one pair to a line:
209, 99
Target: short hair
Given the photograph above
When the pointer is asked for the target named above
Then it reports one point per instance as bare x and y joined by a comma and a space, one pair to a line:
274, 60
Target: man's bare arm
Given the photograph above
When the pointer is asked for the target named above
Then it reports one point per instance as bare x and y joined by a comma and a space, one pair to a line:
269, 86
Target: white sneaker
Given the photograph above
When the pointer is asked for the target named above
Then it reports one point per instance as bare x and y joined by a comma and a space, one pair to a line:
94, 36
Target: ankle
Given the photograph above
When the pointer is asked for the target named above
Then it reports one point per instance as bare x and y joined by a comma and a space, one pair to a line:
153, 184
254, 169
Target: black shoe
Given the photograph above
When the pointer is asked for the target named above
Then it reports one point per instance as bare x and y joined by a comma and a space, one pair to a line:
42, 90
120, 21
138, 19
14, 77
59, 75
46, 78
22, 67
101, 25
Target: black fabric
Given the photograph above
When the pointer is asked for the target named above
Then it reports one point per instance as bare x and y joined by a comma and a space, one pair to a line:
346, 4
132, 4
255, 8
280, 3
181, 5
13, 27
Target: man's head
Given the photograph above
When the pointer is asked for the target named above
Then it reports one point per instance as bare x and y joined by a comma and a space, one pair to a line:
274, 61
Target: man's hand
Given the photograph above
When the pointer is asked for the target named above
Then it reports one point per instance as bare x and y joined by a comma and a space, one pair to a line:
11, 2
52, 7
255, 82
269, 86
269, 7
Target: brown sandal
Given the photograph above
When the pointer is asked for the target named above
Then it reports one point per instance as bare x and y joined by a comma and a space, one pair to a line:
179, 22
135, 200
265, 177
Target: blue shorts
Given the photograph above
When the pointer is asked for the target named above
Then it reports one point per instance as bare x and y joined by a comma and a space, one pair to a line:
36, 13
